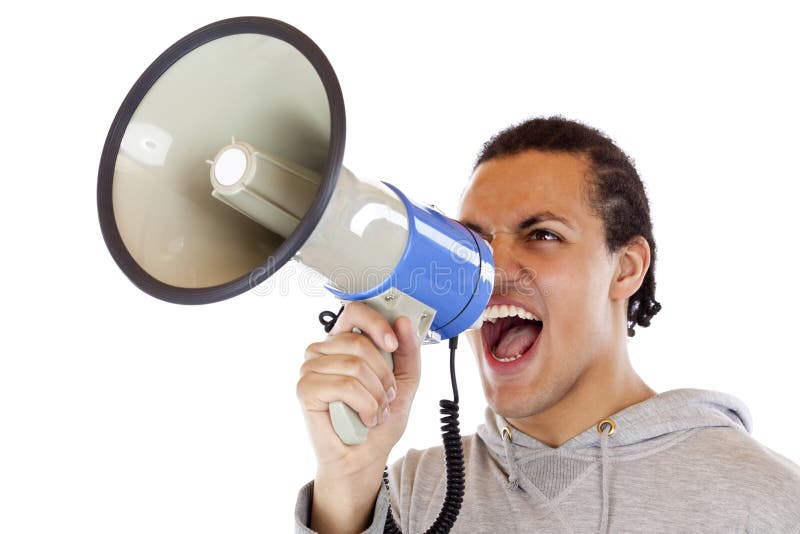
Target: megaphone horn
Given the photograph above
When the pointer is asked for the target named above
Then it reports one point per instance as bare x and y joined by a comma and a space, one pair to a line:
224, 162
258, 79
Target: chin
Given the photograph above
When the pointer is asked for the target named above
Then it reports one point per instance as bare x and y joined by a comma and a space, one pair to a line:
518, 403
513, 411
513, 404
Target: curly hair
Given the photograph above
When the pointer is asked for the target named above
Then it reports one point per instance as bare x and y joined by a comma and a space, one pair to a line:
616, 193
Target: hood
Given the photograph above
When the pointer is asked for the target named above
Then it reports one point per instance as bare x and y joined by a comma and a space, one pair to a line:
544, 471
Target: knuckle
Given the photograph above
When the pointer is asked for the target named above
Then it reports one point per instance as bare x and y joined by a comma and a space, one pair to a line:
381, 399
388, 381
305, 368
300, 388
363, 343
363, 370
358, 367
371, 406
333, 335
312, 351
348, 384
353, 388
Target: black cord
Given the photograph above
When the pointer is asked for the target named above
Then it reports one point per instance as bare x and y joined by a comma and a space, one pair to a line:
453, 450
453, 461
328, 319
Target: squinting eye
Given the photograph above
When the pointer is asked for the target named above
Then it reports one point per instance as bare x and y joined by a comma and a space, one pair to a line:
533, 234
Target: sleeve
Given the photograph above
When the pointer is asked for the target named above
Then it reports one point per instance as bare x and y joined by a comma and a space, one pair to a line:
302, 511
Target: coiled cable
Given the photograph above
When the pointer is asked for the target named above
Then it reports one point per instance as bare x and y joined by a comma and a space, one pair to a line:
453, 450
453, 461
328, 319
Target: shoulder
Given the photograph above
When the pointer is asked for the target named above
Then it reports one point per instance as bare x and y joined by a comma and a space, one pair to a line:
763, 481
737, 452
414, 458
428, 464
418, 481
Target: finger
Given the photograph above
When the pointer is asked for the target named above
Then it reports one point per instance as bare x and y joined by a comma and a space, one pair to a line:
356, 345
407, 356
360, 315
352, 366
315, 391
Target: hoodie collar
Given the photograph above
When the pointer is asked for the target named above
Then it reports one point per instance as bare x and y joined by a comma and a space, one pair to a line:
637, 428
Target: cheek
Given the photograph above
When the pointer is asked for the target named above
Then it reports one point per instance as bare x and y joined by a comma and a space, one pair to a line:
475, 341
476, 344
573, 291
561, 283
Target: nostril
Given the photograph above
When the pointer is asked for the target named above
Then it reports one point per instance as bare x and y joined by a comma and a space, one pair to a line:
509, 274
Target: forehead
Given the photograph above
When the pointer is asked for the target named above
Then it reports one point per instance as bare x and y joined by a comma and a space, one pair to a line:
504, 190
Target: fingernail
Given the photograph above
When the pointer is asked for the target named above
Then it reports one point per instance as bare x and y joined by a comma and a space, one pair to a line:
374, 420
391, 342
391, 394
385, 415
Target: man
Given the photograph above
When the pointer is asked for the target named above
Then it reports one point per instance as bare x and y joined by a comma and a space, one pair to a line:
574, 440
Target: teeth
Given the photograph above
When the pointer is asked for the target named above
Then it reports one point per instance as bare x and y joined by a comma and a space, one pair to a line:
492, 313
506, 360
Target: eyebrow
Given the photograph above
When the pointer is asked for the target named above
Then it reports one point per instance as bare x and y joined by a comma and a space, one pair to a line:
543, 216
532, 220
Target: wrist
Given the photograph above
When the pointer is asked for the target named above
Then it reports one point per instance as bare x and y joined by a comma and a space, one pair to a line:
353, 469
342, 506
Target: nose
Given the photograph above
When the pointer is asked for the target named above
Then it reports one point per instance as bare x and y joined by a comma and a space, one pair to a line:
508, 271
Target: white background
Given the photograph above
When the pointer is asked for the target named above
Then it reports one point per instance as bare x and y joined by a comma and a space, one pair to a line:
121, 413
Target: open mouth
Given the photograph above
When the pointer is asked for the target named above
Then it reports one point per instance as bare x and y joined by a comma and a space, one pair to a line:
509, 332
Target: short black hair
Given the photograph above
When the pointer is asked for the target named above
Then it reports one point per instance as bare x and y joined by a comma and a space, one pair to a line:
616, 192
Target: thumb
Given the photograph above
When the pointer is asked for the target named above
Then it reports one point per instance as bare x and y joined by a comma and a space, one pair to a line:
406, 357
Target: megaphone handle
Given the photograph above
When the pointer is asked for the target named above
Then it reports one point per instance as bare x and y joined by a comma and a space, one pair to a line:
346, 421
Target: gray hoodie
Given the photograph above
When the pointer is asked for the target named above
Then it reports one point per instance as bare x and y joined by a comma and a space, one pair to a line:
682, 461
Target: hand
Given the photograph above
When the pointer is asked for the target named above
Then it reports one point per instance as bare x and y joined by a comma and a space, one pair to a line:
348, 367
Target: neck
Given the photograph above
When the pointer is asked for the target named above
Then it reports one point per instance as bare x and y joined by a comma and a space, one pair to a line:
604, 389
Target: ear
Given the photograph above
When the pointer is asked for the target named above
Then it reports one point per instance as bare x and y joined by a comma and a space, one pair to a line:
633, 261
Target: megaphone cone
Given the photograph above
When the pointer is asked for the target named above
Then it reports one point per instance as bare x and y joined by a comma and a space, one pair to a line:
225, 161
255, 79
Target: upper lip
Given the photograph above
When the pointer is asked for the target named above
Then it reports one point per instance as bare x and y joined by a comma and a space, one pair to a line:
498, 300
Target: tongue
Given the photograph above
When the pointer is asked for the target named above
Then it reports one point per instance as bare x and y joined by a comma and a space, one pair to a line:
517, 340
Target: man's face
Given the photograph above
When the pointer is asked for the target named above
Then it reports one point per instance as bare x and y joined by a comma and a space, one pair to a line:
559, 272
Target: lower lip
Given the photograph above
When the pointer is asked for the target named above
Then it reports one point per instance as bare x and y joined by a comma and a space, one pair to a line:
509, 368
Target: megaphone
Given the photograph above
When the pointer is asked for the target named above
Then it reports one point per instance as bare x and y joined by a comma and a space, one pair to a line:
224, 162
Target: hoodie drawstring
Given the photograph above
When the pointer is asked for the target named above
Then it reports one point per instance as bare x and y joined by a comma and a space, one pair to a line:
513, 470
606, 427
